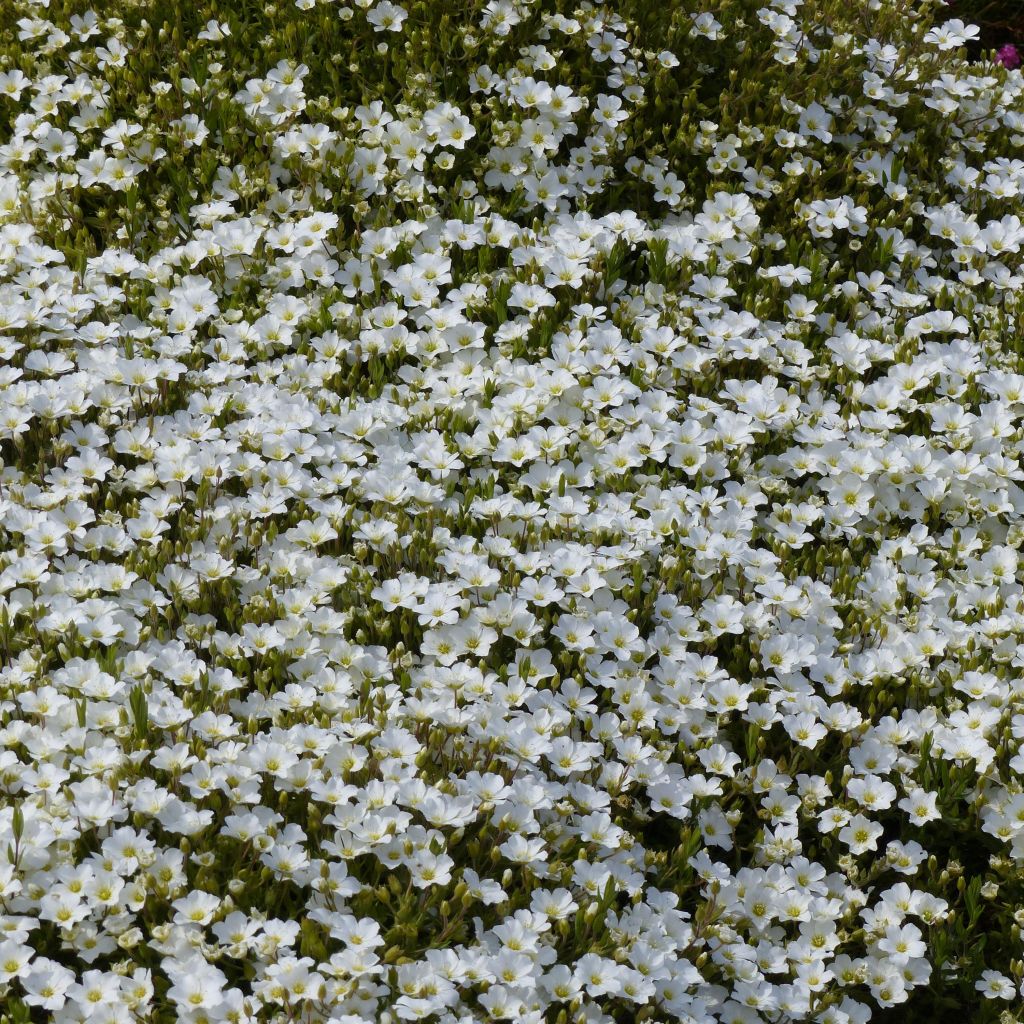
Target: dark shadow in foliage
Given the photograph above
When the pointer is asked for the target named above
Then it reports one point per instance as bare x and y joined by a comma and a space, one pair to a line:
1001, 22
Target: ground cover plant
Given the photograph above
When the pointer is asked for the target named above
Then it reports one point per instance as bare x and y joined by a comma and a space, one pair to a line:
510, 511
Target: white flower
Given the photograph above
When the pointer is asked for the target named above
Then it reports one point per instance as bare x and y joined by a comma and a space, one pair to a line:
993, 985
951, 34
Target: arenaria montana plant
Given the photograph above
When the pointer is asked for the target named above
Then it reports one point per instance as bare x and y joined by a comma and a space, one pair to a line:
510, 511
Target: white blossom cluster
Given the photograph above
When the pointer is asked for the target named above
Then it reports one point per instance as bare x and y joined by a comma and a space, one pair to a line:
476, 560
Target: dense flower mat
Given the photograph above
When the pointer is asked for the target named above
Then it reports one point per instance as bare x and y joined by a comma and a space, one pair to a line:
509, 511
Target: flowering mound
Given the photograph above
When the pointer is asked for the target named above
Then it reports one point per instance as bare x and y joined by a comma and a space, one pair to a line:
509, 511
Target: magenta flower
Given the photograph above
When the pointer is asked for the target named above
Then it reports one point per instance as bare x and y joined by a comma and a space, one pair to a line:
1009, 56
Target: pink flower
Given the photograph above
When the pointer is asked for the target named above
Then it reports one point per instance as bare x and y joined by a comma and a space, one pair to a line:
1008, 56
